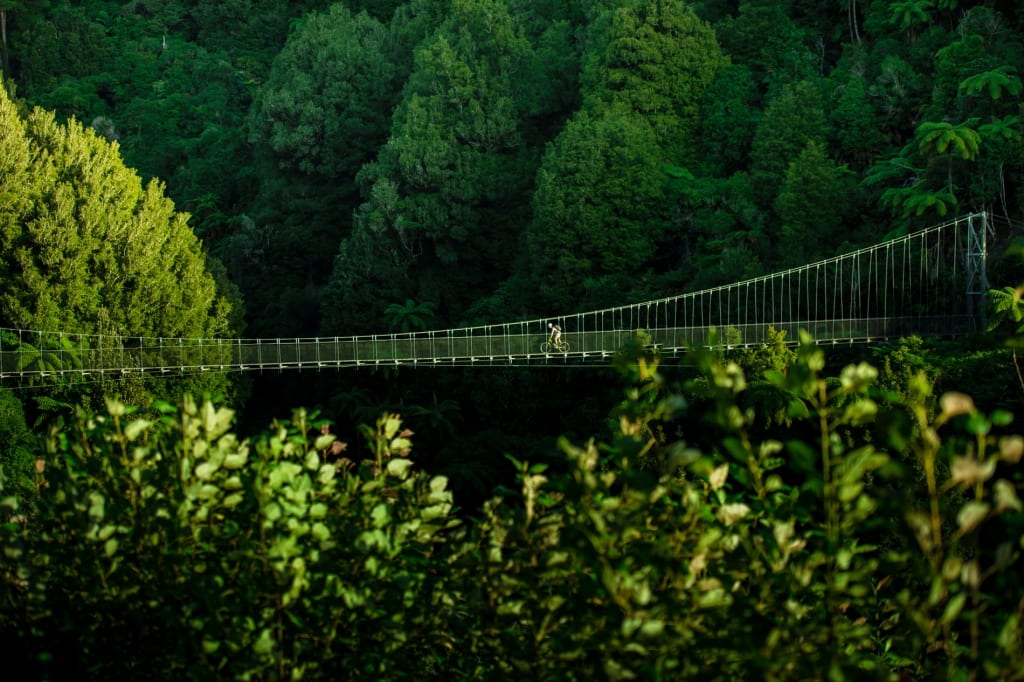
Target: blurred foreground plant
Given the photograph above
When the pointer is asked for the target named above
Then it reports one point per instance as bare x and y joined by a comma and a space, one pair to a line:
878, 538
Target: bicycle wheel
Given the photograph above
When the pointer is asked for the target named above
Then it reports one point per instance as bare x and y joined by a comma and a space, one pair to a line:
545, 347
564, 347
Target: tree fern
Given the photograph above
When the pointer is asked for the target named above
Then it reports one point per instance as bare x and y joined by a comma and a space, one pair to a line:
995, 82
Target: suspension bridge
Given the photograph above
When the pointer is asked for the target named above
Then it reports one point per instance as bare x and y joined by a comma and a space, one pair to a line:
930, 283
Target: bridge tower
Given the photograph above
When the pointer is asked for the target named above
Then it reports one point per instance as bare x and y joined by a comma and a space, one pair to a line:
977, 281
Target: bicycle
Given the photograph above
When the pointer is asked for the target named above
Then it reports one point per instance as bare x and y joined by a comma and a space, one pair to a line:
559, 346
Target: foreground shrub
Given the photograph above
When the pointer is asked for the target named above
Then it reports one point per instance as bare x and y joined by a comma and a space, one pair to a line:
882, 541
879, 539
168, 549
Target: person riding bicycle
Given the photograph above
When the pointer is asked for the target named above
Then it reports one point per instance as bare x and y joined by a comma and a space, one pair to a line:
555, 335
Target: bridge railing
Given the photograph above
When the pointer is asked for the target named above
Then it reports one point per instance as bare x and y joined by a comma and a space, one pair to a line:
59, 355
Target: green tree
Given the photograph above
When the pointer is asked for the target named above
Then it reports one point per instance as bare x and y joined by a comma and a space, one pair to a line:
956, 82
381, 10
87, 248
178, 112
1007, 310
918, 200
20, 22
953, 63
326, 105
812, 205
416, 20
764, 36
728, 118
253, 29
955, 140
17, 451
599, 209
657, 59
1002, 143
550, 84
939, 154
996, 82
410, 316
175, 108
373, 265
945, 141
855, 130
908, 15
307, 562
900, 91
905, 188
451, 182
790, 121
724, 236
991, 96
641, 556
321, 115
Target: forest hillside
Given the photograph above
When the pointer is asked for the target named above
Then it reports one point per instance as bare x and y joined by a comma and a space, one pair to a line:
229, 168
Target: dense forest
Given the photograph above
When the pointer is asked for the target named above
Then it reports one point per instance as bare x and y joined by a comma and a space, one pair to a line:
230, 168
341, 158
360, 167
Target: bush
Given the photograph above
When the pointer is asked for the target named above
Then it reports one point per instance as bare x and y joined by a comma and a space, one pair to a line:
881, 541
171, 550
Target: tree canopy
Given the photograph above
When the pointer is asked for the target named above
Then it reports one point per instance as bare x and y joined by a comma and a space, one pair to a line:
599, 201
86, 247
453, 170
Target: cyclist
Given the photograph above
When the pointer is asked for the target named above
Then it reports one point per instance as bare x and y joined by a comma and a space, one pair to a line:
555, 335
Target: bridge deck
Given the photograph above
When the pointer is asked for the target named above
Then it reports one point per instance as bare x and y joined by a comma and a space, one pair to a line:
427, 349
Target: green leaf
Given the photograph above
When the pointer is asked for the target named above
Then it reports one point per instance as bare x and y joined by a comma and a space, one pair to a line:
235, 460
206, 470
164, 407
1009, 635
953, 608
802, 456
381, 515
265, 644
995, 82
678, 172
850, 491
399, 467
232, 500
1001, 418
1006, 496
970, 515
135, 428
977, 424
320, 531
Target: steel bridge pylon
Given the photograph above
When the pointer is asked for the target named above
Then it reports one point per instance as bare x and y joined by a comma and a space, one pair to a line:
977, 280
